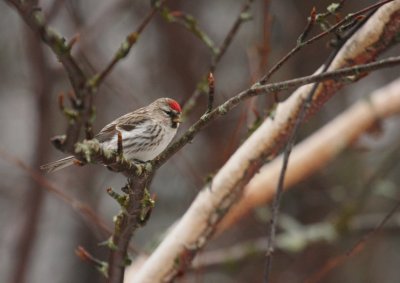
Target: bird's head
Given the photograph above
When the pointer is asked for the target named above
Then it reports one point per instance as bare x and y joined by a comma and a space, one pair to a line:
171, 109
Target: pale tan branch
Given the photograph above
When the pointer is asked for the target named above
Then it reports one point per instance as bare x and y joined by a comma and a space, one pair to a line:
319, 149
199, 223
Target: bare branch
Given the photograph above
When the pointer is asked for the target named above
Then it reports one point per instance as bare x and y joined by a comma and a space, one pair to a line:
84, 211
241, 18
357, 248
195, 228
301, 43
339, 77
126, 46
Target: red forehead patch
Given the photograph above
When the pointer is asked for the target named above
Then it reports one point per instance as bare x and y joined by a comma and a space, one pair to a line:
174, 105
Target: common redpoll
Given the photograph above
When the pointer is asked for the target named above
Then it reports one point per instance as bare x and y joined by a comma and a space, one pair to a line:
145, 133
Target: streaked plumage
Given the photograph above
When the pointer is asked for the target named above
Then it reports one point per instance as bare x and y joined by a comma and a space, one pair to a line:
145, 132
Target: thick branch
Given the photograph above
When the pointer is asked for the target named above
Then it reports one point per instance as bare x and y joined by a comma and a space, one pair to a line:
199, 222
130, 218
316, 151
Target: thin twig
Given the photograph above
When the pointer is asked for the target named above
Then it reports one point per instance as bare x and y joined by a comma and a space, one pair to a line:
84, 255
304, 235
83, 97
333, 28
241, 18
54, 9
189, 23
257, 89
304, 108
309, 26
279, 189
126, 46
83, 210
211, 89
33, 199
354, 250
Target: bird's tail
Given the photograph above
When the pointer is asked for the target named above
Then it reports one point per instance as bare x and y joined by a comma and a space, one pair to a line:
59, 164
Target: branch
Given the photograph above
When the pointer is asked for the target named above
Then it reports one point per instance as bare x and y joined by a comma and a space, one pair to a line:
338, 78
34, 18
82, 99
127, 221
199, 222
355, 249
302, 43
295, 239
84, 211
126, 46
317, 150
241, 18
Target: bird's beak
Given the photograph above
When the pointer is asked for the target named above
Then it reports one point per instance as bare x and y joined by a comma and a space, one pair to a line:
177, 118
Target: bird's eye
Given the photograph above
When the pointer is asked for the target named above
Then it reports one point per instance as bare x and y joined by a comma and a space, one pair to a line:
168, 112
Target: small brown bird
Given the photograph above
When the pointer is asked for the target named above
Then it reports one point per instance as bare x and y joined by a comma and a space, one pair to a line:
146, 132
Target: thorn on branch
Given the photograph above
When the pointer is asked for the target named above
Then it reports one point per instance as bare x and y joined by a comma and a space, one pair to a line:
309, 26
78, 162
61, 101
73, 40
109, 243
71, 114
132, 38
84, 255
58, 141
121, 199
211, 90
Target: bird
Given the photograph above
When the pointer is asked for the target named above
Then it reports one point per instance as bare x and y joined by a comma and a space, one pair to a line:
145, 133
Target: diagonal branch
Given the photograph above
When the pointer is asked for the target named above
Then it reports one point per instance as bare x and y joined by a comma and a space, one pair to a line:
200, 221
302, 43
317, 150
242, 17
126, 46
34, 18
82, 99
340, 77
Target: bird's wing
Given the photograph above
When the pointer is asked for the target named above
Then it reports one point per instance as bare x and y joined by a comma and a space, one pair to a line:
106, 133
123, 123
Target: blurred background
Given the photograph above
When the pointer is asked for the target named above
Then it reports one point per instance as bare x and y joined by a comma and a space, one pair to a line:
41, 224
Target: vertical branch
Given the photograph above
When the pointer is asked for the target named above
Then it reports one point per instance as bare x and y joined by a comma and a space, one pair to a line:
211, 90
279, 189
304, 109
301, 43
130, 218
126, 46
242, 17
33, 198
